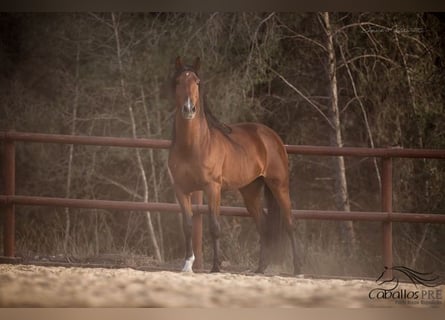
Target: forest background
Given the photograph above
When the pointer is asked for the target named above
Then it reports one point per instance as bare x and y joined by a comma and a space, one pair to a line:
341, 79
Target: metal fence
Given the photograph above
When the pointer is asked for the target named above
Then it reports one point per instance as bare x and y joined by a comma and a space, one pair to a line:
9, 199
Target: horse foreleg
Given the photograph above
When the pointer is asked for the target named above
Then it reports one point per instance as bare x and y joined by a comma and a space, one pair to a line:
214, 198
186, 208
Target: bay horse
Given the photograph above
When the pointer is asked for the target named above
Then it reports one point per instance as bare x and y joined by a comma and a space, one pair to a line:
207, 155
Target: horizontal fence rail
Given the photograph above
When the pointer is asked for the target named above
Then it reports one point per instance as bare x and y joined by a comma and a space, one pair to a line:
165, 144
9, 199
85, 140
225, 210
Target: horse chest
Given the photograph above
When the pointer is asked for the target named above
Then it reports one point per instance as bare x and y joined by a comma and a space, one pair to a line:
188, 175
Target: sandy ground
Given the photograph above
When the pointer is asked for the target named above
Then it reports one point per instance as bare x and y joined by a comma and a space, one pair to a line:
37, 286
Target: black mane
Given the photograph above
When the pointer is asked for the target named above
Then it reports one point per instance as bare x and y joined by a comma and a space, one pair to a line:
212, 121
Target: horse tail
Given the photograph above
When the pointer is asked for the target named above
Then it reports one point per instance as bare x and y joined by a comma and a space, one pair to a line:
274, 226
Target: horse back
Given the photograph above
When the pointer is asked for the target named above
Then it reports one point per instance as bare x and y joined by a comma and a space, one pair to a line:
252, 150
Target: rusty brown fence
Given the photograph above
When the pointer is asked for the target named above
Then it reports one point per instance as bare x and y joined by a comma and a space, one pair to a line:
9, 199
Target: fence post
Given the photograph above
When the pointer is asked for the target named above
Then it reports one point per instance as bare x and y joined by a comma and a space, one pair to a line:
197, 231
9, 214
387, 207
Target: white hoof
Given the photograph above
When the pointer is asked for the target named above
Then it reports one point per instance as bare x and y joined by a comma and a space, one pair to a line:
188, 264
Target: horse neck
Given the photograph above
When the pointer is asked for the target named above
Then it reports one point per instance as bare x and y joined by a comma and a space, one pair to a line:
191, 135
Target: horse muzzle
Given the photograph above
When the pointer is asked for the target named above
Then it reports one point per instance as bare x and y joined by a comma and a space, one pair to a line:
188, 110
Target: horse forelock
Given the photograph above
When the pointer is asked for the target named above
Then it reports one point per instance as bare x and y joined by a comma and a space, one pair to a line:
178, 72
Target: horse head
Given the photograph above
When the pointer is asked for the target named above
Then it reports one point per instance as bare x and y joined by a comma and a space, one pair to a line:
186, 88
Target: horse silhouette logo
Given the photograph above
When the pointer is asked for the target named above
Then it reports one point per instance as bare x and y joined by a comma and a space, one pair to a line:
427, 279
388, 287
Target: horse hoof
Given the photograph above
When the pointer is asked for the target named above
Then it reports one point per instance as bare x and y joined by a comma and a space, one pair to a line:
259, 271
215, 270
298, 274
297, 270
188, 264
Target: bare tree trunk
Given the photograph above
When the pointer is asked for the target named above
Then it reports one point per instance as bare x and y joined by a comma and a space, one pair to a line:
412, 96
365, 117
410, 88
342, 196
71, 152
419, 246
96, 232
153, 174
133, 127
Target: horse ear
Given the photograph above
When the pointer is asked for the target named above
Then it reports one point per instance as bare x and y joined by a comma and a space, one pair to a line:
178, 63
197, 64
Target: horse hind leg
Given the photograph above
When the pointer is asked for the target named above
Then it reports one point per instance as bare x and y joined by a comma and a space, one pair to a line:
280, 192
252, 199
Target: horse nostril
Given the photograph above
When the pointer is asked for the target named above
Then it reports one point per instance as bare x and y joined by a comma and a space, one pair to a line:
188, 109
